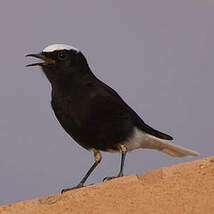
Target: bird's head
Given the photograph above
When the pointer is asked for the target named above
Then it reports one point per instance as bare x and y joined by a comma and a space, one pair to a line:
60, 59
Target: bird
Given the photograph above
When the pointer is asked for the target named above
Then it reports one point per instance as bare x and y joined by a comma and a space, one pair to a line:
94, 114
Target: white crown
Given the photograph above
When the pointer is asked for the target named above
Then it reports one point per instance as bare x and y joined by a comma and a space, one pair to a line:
56, 47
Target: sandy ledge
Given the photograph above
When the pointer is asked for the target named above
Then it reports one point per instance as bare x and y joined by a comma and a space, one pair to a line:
183, 188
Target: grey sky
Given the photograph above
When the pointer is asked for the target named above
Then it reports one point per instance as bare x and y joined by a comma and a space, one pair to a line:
158, 55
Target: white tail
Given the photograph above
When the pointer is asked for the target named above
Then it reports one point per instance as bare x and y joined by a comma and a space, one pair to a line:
167, 147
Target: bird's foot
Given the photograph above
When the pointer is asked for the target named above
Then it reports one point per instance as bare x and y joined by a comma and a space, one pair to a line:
80, 185
113, 177
109, 178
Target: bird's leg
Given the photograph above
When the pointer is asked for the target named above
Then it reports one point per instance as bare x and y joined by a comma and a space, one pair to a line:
97, 158
123, 156
123, 151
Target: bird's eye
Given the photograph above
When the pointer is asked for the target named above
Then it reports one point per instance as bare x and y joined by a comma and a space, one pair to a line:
62, 55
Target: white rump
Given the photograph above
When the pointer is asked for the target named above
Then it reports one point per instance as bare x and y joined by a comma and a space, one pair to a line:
143, 140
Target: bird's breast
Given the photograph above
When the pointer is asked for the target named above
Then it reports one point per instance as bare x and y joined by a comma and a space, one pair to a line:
70, 112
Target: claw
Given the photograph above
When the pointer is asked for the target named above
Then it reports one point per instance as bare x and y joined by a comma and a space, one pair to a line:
109, 178
68, 189
113, 177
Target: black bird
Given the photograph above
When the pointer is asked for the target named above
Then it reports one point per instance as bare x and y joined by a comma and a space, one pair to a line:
93, 114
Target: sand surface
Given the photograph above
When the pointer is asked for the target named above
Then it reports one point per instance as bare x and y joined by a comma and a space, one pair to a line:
183, 188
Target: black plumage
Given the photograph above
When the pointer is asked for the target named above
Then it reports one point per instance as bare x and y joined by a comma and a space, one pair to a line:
91, 112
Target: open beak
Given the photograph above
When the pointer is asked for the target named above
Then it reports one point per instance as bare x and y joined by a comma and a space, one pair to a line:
42, 57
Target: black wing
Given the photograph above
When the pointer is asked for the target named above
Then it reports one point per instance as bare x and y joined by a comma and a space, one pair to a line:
126, 111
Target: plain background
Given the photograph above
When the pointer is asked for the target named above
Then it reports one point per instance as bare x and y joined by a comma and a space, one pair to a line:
158, 55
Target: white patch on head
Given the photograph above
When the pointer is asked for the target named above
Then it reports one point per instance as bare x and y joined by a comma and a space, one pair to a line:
57, 47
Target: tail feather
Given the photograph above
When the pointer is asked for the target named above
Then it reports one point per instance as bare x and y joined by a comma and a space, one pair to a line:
167, 147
